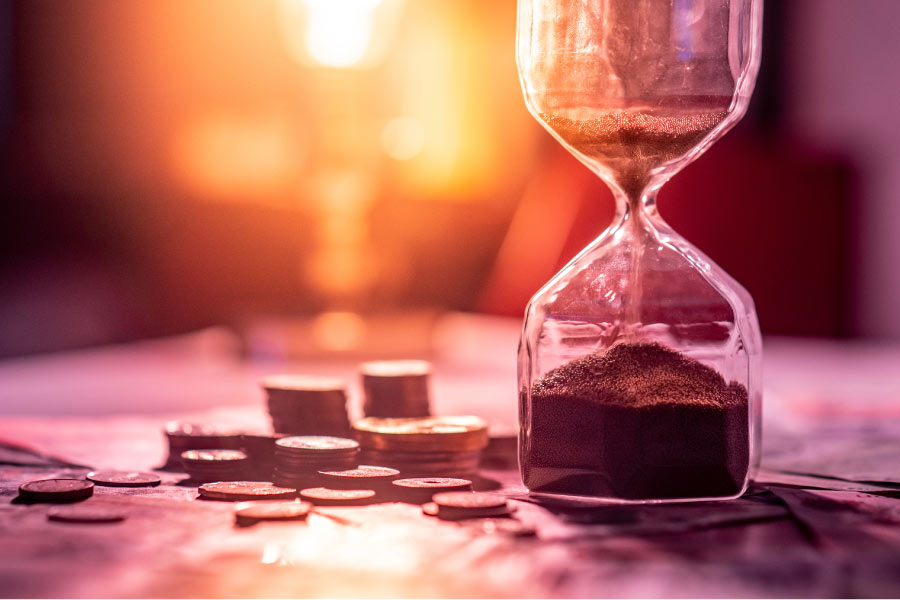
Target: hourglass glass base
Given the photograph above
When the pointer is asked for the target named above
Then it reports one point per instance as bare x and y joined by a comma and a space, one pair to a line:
639, 374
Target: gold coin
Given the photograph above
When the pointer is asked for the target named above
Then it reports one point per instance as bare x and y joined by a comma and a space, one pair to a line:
432, 434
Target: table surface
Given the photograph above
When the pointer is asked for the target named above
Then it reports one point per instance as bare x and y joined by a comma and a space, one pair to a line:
832, 409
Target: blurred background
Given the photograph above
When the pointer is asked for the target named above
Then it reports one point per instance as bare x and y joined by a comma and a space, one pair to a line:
336, 167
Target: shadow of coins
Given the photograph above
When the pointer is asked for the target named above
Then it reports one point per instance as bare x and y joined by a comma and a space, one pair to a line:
485, 484
86, 513
247, 514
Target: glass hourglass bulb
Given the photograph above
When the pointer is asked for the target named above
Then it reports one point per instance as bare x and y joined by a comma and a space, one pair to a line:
639, 362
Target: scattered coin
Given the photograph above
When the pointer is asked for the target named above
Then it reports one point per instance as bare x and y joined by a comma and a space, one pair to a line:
124, 478
251, 512
396, 388
469, 505
421, 490
363, 477
56, 490
86, 514
327, 497
245, 490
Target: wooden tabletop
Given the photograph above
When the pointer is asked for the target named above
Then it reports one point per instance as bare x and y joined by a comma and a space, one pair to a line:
831, 410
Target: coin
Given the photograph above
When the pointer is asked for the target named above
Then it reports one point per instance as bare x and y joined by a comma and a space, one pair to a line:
328, 497
245, 490
302, 383
85, 514
365, 476
318, 443
307, 405
194, 436
430, 434
420, 490
468, 505
56, 490
251, 512
212, 455
124, 478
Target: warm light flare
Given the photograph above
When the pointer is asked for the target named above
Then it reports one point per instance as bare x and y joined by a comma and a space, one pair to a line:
338, 33
224, 156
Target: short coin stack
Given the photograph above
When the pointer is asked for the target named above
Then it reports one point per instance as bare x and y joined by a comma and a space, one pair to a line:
298, 459
396, 388
307, 405
423, 447
204, 466
260, 449
190, 436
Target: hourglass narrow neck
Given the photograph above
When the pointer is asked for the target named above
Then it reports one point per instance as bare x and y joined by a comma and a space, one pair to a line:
635, 208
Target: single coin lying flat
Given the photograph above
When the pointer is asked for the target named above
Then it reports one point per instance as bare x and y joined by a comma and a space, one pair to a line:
328, 497
124, 478
245, 490
56, 490
470, 505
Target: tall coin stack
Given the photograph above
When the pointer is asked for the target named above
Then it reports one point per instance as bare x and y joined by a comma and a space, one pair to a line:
191, 436
396, 388
307, 405
260, 449
298, 459
423, 447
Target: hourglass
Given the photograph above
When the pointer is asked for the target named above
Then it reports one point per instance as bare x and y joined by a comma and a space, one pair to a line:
640, 361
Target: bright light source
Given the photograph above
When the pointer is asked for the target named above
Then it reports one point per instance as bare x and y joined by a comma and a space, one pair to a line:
403, 138
337, 33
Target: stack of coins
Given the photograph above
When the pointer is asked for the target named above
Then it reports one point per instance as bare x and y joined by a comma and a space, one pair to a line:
307, 405
396, 388
299, 459
190, 436
204, 466
260, 449
425, 447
